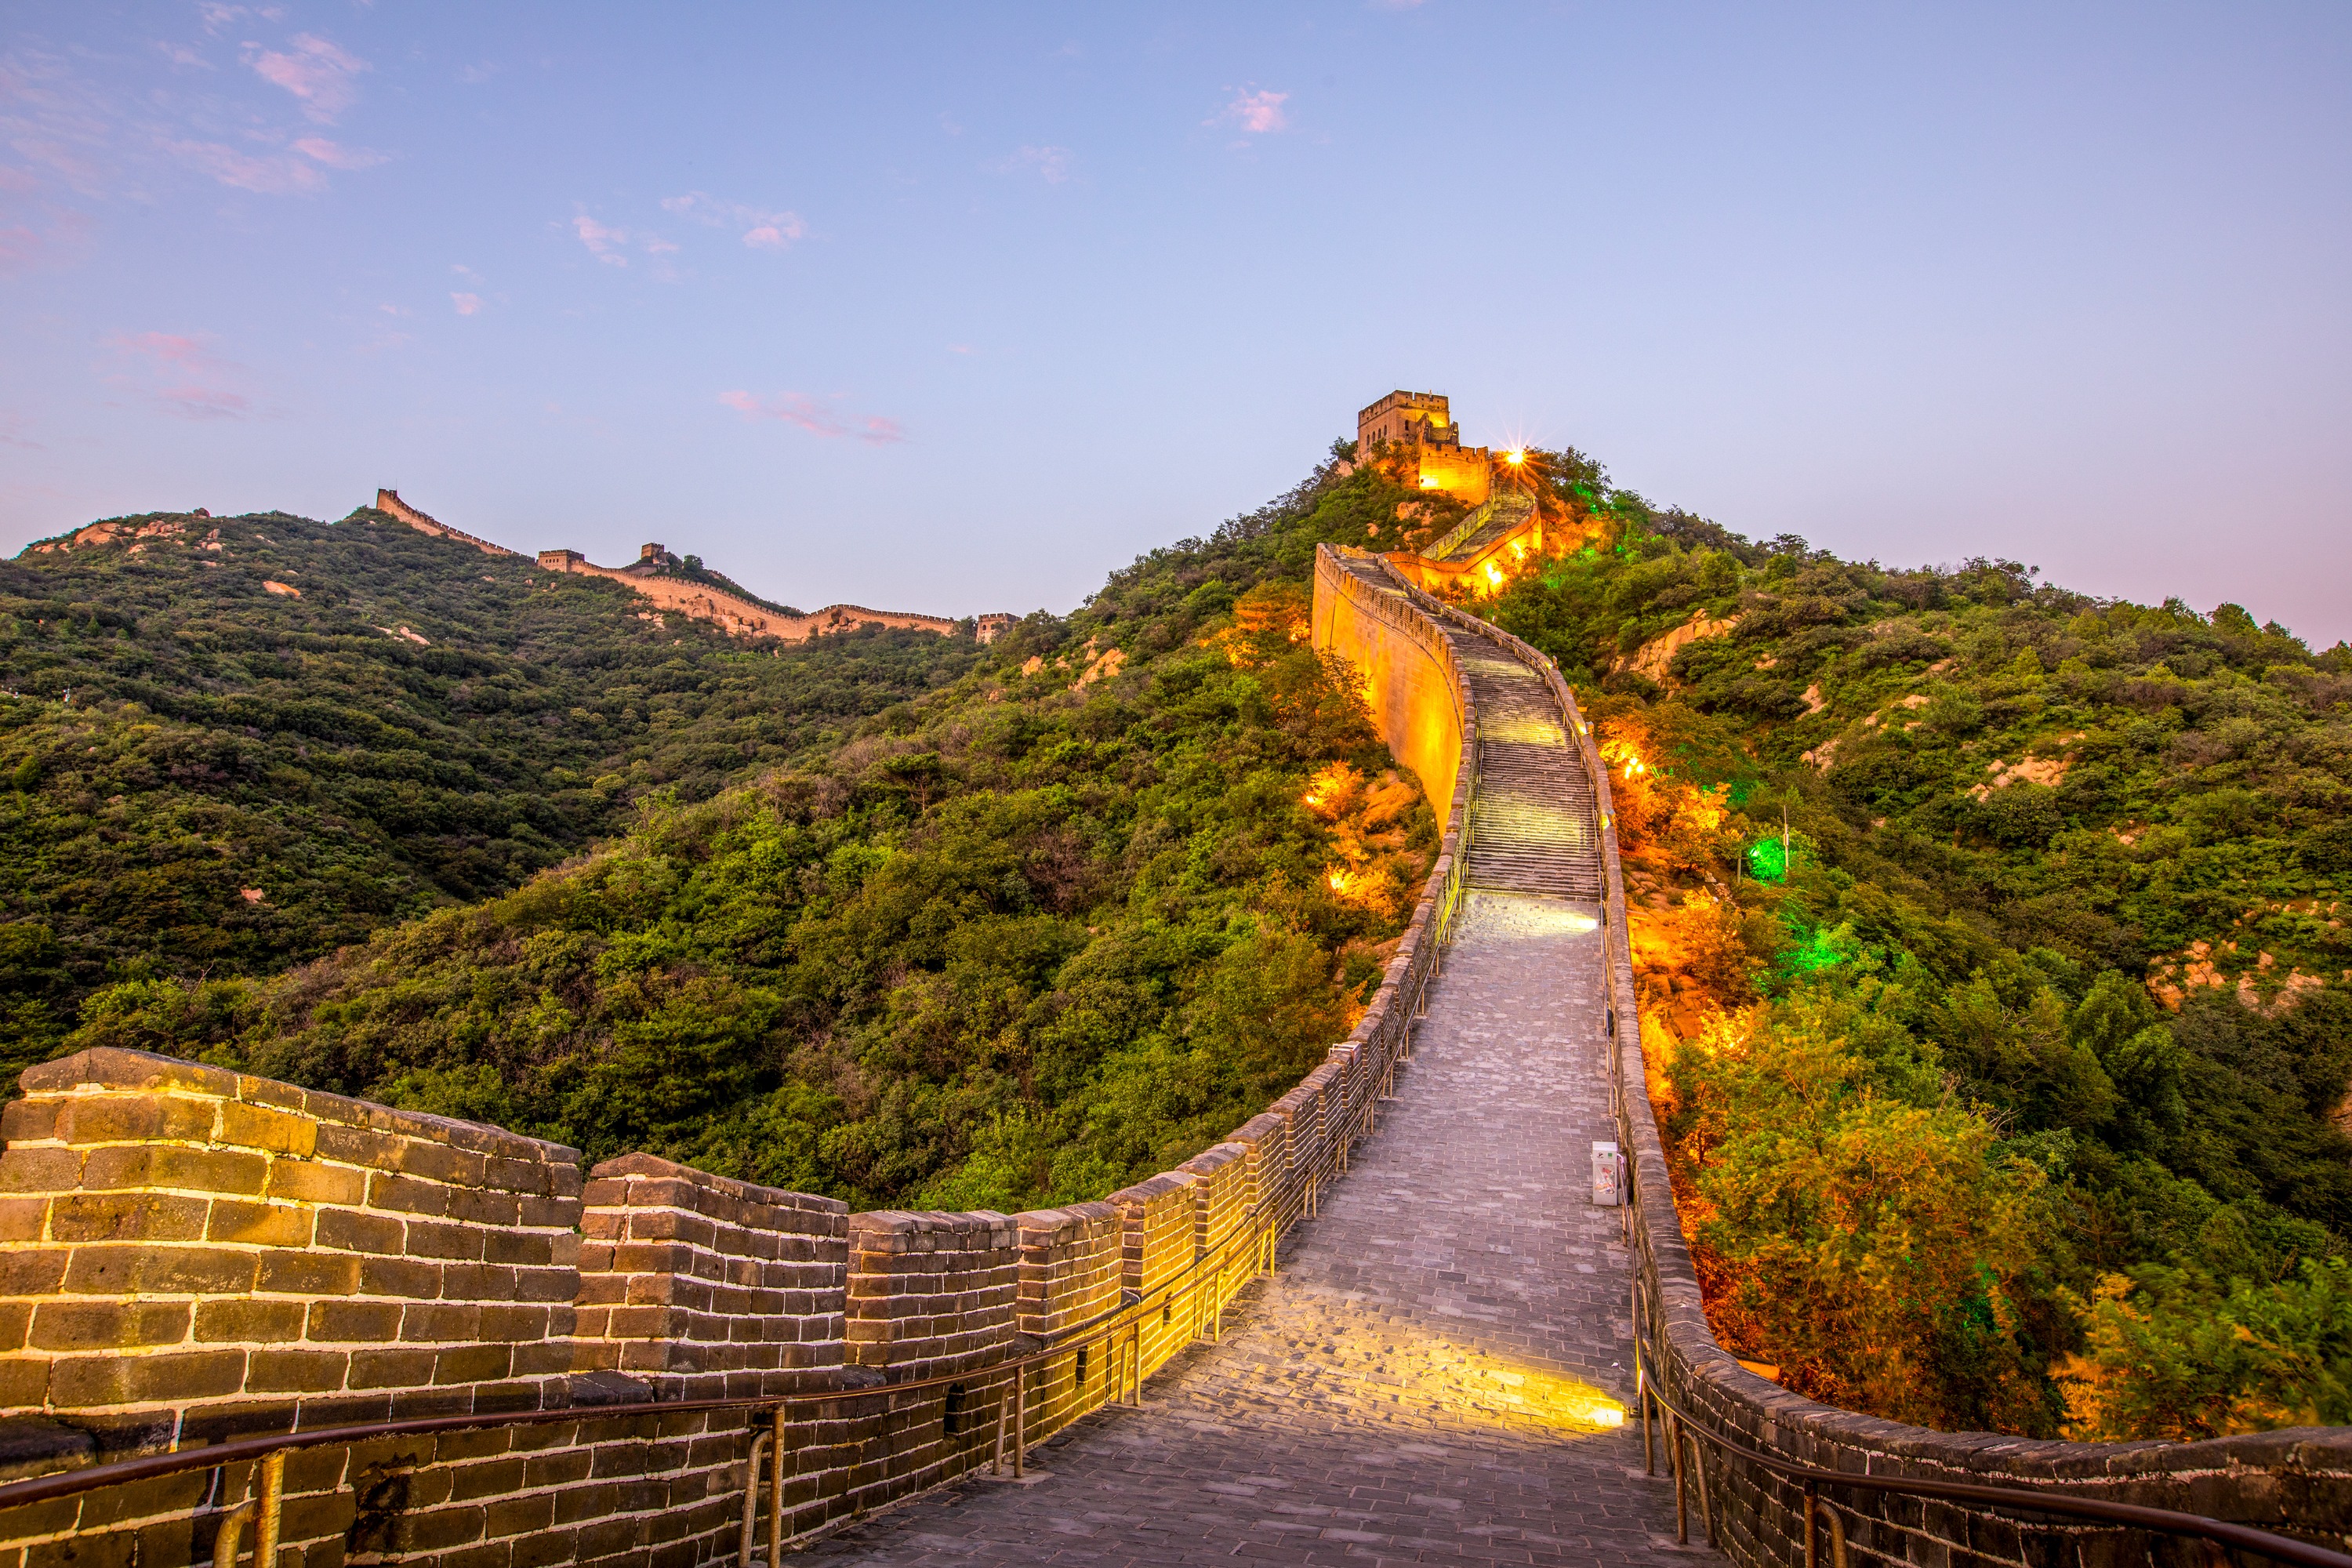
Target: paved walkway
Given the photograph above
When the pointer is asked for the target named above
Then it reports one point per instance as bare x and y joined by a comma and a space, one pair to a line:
1434, 1375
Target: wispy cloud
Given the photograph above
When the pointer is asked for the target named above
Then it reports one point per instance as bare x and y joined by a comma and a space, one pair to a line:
1257, 112
179, 373
314, 71
1052, 163
217, 16
759, 228
803, 412
603, 243
337, 156
268, 175
465, 304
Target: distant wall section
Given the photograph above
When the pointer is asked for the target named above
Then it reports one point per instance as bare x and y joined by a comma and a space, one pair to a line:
1404, 666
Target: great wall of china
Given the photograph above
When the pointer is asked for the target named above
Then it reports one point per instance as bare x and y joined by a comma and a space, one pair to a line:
735, 616
348, 1333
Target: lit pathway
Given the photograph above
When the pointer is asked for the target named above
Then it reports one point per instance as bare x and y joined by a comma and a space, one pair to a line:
1419, 1384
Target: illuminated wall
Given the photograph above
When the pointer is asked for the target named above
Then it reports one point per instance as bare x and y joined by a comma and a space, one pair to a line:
1406, 680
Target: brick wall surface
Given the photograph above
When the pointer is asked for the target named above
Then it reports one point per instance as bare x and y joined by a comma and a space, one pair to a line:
931, 1294
710, 1287
190, 1252
1265, 1142
1072, 1262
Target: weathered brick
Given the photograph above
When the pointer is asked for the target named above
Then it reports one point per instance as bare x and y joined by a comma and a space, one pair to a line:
260, 1224
173, 1165
346, 1322
255, 1127
32, 1271
36, 1169
89, 1381
294, 1370
308, 1274
108, 1270
126, 1216
250, 1321
349, 1232
64, 1324
31, 1120
307, 1181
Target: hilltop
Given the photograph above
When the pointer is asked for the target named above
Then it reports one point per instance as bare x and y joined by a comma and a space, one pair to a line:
1998, 997
234, 744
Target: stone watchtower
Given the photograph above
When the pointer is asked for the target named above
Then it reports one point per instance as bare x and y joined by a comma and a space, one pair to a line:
1418, 427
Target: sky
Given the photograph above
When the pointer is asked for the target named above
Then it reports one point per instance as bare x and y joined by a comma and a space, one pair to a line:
958, 309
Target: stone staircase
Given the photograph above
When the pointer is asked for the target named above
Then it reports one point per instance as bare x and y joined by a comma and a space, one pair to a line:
1533, 828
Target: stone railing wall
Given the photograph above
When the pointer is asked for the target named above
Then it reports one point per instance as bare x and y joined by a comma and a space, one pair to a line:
2297, 1481
189, 1255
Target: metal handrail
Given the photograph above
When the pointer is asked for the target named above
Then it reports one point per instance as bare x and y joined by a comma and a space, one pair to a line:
2023, 1500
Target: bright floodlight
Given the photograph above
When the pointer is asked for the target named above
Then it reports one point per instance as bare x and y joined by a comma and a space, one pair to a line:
1516, 456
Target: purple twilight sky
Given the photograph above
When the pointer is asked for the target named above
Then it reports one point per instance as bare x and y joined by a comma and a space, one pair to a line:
956, 308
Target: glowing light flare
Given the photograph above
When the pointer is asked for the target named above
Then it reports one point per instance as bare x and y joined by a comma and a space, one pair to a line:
1429, 482
1515, 457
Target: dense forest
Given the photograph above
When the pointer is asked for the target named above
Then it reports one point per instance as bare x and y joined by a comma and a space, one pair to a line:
1069, 908
1997, 978
234, 744
1998, 993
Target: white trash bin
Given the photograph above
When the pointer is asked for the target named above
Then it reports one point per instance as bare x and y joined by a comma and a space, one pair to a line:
1608, 1174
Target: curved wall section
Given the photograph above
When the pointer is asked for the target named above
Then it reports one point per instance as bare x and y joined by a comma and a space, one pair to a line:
2296, 1482
1418, 701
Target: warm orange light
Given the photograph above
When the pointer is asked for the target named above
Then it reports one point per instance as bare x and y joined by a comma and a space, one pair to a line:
1429, 482
1494, 574
1338, 880
1515, 457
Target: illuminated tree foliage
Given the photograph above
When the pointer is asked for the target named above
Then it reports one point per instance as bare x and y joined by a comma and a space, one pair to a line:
1997, 979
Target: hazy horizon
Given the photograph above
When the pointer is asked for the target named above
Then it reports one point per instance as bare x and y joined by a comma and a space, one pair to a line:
958, 313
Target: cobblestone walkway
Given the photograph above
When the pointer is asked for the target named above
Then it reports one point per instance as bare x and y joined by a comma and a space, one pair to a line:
1436, 1373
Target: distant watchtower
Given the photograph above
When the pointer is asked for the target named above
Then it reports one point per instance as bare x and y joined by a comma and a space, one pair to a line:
1409, 418
1419, 427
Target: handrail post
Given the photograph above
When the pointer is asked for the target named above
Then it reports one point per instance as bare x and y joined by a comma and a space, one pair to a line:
1003, 1404
232, 1534
1675, 1455
748, 1536
272, 1505
1020, 1420
1705, 1503
776, 1487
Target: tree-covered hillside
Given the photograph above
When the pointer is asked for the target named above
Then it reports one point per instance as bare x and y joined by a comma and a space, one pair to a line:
1994, 952
228, 744
1052, 927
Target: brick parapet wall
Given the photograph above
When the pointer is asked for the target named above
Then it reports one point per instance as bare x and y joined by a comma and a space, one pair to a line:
190, 1252
931, 1294
710, 1287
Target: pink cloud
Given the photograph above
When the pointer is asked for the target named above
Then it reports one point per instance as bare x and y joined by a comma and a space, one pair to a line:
277, 175
465, 304
188, 368
337, 156
760, 230
316, 71
602, 243
803, 412
1052, 163
24, 245
1259, 113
